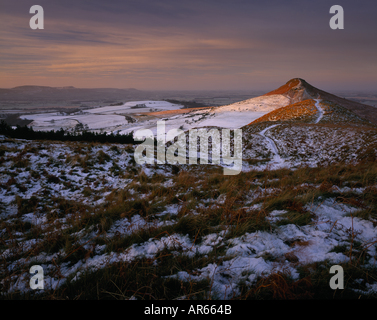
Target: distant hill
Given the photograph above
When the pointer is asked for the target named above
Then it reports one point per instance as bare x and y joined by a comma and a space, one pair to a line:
43, 93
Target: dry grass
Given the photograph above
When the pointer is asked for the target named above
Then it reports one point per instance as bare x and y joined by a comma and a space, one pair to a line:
207, 203
297, 111
284, 88
162, 114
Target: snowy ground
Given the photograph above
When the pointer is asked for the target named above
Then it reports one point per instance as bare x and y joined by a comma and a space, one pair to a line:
277, 159
107, 118
53, 191
114, 118
77, 172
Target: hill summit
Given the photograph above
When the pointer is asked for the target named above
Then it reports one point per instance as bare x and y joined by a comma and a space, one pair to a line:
298, 90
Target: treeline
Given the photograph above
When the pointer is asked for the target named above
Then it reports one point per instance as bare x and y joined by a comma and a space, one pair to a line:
28, 133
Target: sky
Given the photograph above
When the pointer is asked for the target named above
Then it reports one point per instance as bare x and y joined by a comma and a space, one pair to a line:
188, 45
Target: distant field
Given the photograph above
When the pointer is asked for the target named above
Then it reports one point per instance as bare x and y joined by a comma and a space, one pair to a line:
174, 112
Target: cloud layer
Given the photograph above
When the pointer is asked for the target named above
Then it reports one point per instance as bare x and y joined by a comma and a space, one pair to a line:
188, 45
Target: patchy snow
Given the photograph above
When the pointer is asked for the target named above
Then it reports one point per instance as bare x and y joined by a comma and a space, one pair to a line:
106, 118
128, 107
258, 104
238, 114
277, 160
112, 118
128, 226
65, 171
93, 121
231, 119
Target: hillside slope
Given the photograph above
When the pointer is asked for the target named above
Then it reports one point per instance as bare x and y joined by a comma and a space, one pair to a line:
294, 99
298, 90
317, 128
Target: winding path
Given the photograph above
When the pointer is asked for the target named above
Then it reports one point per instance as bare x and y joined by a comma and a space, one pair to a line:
320, 110
273, 147
272, 144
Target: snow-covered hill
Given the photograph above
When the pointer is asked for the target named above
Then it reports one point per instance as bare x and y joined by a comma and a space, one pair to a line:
134, 115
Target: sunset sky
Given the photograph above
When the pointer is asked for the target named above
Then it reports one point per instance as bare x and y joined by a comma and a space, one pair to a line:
193, 45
